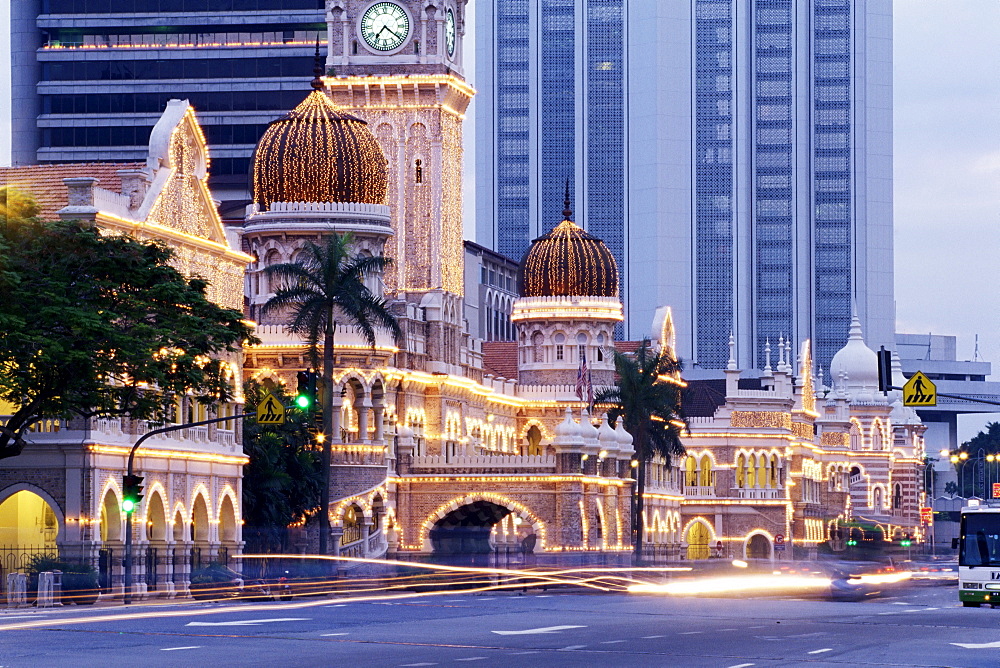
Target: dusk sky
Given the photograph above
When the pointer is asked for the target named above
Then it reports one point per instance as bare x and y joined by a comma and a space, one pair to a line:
947, 170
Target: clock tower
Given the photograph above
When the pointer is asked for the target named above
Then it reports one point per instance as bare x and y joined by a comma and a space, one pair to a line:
398, 65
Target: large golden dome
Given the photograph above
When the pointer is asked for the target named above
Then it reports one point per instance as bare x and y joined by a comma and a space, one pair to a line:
317, 153
568, 262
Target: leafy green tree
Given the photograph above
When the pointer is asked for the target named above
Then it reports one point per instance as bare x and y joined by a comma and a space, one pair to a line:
968, 470
283, 479
90, 322
649, 404
323, 288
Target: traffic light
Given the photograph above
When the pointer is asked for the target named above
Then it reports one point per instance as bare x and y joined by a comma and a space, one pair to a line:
305, 397
131, 492
906, 541
852, 542
884, 370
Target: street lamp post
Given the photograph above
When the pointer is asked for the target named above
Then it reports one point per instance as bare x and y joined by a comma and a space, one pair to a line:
127, 594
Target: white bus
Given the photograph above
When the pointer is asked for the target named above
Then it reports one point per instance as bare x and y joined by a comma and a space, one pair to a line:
979, 554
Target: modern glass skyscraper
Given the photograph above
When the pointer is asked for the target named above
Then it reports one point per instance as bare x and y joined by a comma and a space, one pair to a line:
740, 167
551, 108
90, 77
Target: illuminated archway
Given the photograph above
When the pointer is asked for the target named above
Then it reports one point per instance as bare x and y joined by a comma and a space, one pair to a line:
758, 547
27, 520
111, 517
698, 537
463, 525
156, 521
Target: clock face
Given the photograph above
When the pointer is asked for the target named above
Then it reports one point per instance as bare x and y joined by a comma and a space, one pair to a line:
385, 26
449, 33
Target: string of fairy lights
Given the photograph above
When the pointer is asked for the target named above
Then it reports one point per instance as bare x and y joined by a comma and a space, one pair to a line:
569, 262
317, 153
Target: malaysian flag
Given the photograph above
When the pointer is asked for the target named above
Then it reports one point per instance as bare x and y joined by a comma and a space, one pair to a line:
584, 388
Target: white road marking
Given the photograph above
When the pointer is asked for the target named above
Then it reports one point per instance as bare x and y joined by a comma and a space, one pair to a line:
523, 653
472, 658
611, 642
932, 608
742, 665
914, 610
723, 630
544, 629
3, 616
885, 613
249, 622
820, 651
690, 633
418, 664
651, 637
338, 605
974, 645
570, 647
455, 600
899, 603
171, 649
333, 634
544, 596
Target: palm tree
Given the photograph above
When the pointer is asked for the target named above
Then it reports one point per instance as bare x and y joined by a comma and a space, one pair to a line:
647, 397
326, 285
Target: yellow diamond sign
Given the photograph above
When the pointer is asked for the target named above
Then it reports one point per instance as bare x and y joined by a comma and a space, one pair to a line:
919, 391
270, 411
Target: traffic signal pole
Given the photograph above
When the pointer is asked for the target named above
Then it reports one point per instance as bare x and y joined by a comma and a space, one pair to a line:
127, 596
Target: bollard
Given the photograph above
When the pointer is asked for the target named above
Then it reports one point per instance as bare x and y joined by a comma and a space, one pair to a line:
17, 590
44, 599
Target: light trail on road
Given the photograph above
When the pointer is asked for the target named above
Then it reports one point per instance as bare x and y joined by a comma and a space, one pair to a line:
379, 589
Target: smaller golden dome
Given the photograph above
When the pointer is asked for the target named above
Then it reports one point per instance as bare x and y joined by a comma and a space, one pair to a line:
568, 262
318, 153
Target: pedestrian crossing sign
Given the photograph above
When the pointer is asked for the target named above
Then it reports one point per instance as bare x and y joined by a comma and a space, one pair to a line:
919, 391
270, 411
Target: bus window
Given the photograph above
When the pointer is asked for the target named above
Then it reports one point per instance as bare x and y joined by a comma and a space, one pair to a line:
980, 544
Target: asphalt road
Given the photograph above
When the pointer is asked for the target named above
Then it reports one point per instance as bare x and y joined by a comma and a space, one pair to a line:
916, 626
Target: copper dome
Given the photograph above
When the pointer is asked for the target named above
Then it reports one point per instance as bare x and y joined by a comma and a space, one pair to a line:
318, 153
568, 262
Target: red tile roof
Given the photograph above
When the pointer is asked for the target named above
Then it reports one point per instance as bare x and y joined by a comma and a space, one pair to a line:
500, 358
45, 182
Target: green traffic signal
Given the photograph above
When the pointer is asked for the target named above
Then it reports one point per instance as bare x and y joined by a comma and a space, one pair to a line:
306, 391
131, 492
303, 401
852, 542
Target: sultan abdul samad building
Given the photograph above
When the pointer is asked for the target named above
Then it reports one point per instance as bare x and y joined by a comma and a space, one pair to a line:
441, 442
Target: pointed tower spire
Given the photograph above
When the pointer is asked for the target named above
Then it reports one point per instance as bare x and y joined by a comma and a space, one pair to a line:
732, 352
767, 356
317, 82
567, 212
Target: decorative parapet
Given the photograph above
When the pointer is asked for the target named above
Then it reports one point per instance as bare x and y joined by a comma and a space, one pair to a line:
378, 212
512, 463
568, 308
761, 419
345, 337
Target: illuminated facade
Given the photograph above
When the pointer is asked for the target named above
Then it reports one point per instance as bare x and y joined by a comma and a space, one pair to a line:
71, 471
445, 443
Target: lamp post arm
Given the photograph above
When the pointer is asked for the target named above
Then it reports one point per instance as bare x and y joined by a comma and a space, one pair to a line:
127, 593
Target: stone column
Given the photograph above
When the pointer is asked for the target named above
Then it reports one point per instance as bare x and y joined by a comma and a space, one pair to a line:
361, 405
379, 412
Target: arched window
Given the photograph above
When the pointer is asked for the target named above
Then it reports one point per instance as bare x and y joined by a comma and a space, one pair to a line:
897, 496
536, 341
877, 498
691, 471
773, 481
419, 171
855, 437
705, 473
741, 473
